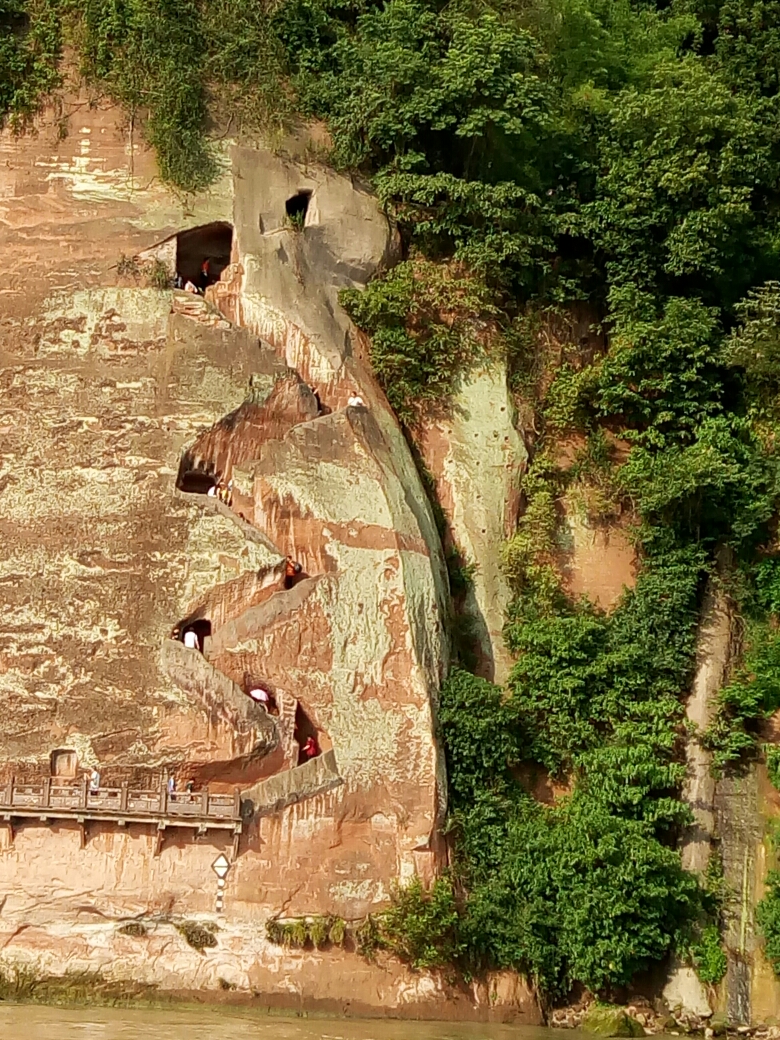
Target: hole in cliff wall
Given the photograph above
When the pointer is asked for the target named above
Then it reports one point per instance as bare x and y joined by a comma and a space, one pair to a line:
195, 633
195, 482
296, 208
203, 253
64, 762
196, 476
305, 735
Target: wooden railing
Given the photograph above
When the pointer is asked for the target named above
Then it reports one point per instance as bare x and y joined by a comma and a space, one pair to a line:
68, 797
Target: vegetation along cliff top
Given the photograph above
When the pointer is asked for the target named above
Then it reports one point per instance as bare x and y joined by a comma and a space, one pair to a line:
616, 158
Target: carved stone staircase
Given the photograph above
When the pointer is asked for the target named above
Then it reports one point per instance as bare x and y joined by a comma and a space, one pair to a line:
292, 785
221, 697
193, 306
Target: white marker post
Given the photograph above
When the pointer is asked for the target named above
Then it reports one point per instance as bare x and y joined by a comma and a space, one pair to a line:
220, 866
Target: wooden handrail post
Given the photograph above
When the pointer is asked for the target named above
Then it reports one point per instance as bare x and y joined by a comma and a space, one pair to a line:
11, 790
123, 798
204, 798
163, 795
84, 789
46, 793
236, 803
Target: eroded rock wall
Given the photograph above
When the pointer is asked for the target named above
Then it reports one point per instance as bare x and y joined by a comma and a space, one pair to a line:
106, 386
477, 457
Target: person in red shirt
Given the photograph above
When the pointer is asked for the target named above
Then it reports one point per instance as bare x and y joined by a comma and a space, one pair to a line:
205, 275
291, 571
310, 749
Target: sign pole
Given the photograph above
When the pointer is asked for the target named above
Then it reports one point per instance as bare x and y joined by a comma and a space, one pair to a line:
220, 866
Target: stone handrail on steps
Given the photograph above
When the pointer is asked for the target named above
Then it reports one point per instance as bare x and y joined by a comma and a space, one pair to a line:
220, 696
293, 785
212, 504
285, 721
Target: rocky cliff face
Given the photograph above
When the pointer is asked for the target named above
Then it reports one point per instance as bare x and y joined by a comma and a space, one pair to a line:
121, 405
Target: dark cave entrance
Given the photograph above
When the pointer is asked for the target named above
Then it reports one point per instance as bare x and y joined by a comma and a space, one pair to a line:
196, 476
203, 253
296, 208
194, 633
304, 730
195, 482
260, 691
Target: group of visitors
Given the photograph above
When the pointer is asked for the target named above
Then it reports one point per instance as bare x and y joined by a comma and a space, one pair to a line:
189, 787
222, 491
292, 571
354, 401
94, 784
309, 749
260, 693
205, 278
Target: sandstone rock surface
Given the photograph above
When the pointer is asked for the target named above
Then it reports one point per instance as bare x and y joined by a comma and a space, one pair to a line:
110, 392
477, 459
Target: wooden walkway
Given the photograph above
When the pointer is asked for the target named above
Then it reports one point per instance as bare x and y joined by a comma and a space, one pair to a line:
55, 799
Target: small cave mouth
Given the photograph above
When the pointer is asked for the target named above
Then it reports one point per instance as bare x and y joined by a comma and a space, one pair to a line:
193, 633
305, 735
196, 482
203, 253
296, 208
196, 476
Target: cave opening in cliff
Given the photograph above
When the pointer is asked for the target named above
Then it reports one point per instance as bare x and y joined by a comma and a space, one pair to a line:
64, 763
196, 476
200, 628
195, 482
203, 253
305, 731
296, 208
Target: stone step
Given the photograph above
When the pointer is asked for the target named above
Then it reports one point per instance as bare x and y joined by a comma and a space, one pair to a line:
193, 306
292, 785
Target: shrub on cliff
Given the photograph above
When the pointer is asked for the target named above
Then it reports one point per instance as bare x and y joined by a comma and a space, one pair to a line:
422, 927
133, 929
584, 891
29, 52
338, 931
768, 918
199, 936
709, 957
428, 325
318, 930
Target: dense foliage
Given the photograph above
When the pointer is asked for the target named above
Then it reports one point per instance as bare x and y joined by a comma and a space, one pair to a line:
619, 154
571, 892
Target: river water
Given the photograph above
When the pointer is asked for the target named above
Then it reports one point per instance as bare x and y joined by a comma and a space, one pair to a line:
27, 1022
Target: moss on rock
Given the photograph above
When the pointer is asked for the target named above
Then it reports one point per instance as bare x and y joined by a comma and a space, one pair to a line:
610, 1020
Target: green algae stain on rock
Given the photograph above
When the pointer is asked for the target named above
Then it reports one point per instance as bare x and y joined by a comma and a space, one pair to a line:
610, 1020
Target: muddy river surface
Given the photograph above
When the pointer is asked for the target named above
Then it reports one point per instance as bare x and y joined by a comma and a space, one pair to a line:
25, 1022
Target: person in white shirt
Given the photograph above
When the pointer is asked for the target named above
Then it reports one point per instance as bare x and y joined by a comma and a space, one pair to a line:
191, 639
356, 402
